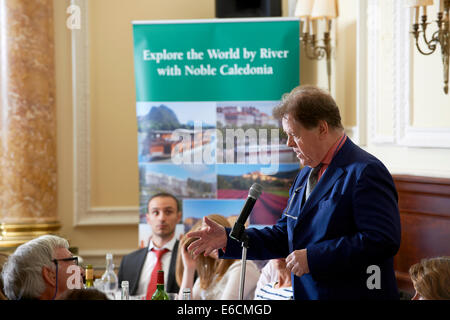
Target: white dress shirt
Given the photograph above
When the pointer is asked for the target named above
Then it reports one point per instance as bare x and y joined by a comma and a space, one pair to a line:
149, 264
269, 274
227, 288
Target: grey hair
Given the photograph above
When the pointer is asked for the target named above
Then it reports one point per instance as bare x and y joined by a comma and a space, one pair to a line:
22, 272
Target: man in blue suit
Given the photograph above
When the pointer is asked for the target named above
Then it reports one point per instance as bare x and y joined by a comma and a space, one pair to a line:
341, 228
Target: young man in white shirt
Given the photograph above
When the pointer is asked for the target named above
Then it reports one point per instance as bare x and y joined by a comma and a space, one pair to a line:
163, 215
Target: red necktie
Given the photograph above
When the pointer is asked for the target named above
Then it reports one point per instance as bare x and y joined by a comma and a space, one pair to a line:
158, 266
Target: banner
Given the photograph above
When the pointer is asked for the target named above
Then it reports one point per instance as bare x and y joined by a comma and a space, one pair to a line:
205, 91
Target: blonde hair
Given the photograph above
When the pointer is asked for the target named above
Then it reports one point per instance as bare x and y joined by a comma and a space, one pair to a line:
207, 268
431, 278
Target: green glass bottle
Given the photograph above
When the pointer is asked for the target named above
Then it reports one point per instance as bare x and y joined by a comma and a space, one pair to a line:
160, 292
89, 274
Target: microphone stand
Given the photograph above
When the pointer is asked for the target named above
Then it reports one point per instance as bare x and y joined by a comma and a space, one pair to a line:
238, 231
238, 234
244, 243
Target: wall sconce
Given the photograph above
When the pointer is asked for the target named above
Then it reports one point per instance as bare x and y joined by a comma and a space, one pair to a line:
310, 13
441, 36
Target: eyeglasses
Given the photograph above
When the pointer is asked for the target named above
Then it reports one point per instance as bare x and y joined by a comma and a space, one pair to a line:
55, 261
75, 259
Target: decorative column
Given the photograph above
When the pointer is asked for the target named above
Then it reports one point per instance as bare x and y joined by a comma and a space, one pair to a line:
28, 162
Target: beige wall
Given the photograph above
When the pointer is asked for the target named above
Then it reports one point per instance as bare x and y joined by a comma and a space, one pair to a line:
63, 69
114, 172
345, 61
343, 81
113, 161
412, 151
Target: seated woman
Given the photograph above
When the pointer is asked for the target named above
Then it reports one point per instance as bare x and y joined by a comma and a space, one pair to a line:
217, 279
431, 279
278, 289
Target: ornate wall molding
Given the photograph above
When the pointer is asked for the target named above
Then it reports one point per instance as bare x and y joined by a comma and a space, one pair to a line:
374, 35
408, 135
372, 65
402, 62
359, 132
84, 214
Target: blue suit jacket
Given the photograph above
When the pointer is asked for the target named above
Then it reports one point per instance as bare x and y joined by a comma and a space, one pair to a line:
349, 222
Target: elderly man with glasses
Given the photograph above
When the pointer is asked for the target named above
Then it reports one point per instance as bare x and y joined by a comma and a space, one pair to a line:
41, 269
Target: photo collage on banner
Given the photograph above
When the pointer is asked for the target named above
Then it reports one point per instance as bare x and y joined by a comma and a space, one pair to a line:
204, 116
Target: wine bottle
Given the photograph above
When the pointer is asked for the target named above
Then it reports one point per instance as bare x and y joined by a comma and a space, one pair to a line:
89, 274
160, 292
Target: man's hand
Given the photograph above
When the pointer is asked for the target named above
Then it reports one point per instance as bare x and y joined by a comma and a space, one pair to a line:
297, 262
211, 237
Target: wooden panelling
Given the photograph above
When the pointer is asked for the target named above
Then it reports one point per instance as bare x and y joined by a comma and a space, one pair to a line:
424, 205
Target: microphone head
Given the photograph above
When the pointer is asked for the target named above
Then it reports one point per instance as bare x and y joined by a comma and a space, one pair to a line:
255, 191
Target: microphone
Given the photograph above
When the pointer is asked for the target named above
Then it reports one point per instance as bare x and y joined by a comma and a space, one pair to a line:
238, 231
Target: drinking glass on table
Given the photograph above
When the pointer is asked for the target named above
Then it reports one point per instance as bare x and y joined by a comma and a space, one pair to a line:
172, 296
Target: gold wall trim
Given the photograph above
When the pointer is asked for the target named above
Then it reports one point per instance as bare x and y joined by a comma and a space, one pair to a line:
13, 235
